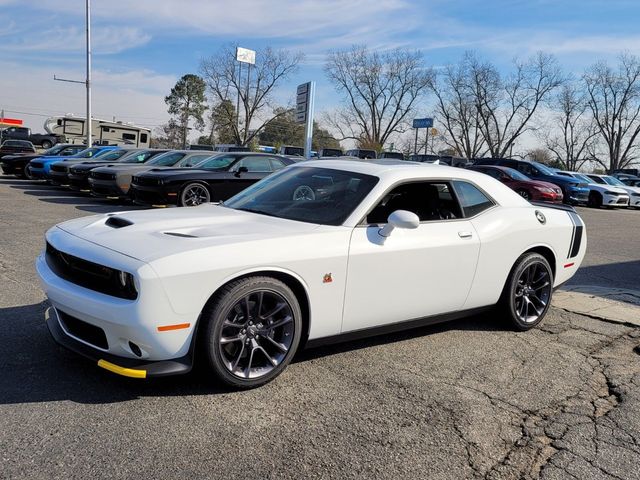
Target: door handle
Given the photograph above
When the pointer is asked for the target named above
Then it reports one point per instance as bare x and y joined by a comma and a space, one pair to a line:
465, 234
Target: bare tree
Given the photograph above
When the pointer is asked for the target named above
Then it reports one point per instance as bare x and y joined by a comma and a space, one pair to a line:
380, 92
456, 109
614, 100
256, 110
573, 135
506, 106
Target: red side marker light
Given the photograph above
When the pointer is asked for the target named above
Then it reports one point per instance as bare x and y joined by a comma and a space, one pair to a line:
567, 265
327, 278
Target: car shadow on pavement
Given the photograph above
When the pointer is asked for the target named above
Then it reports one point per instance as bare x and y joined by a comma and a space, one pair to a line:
34, 369
622, 275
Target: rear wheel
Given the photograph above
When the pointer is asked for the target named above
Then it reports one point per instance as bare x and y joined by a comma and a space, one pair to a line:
527, 295
194, 194
595, 200
252, 330
46, 144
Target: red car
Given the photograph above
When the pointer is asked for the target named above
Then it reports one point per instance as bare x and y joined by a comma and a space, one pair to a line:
532, 190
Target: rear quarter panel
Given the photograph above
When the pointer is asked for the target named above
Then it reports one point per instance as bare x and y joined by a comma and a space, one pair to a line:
506, 233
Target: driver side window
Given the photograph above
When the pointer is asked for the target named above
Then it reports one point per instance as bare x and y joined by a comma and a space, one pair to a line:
428, 200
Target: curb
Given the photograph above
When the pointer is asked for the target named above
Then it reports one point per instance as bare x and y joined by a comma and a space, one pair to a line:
610, 304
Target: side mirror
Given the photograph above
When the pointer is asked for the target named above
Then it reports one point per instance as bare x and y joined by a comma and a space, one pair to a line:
399, 219
241, 170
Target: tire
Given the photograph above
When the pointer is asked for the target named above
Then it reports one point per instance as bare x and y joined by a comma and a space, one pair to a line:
527, 294
46, 144
595, 200
524, 194
26, 173
228, 332
194, 194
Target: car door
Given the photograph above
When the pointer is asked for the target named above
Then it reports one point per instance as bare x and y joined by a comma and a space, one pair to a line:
412, 273
258, 167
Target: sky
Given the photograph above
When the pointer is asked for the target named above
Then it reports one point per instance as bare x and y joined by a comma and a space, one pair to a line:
141, 47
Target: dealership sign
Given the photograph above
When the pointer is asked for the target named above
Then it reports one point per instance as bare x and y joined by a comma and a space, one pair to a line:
423, 123
245, 55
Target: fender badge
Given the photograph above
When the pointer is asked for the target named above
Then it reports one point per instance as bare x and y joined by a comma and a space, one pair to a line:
327, 278
540, 216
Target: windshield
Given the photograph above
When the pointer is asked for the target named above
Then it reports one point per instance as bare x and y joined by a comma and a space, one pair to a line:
544, 169
307, 194
613, 181
516, 175
219, 162
112, 155
139, 156
54, 150
87, 153
583, 178
166, 159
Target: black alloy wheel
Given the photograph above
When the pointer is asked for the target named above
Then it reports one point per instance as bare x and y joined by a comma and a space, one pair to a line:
252, 330
528, 291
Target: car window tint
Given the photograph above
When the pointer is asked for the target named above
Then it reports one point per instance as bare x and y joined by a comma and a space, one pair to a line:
166, 159
472, 200
193, 159
219, 162
428, 200
277, 164
254, 164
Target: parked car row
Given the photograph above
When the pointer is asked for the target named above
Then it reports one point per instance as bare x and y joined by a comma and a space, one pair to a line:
537, 182
152, 177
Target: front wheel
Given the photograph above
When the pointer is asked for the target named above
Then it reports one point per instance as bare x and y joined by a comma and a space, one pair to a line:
595, 200
252, 330
527, 294
26, 173
46, 144
194, 194
524, 194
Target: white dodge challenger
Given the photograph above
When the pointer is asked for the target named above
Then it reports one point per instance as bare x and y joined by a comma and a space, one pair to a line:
321, 251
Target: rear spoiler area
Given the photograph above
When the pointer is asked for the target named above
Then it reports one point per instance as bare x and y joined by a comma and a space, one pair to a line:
556, 206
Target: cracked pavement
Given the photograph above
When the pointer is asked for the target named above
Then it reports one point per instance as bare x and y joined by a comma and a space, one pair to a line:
466, 399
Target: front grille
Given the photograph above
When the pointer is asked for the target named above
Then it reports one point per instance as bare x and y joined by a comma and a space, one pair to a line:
146, 181
88, 274
37, 164
79, 171
59, 168
623, 200
83, 330
103, 175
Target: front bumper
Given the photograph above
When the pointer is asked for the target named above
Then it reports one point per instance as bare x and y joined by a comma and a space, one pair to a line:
106, 189
577, 195
106, 325
58, 178
615, 200
9, 169
152, 196
37, 173
79, 182
122, 366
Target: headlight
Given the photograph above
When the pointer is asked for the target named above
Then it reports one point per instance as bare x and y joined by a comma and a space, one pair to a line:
544, 189
609, 192
128, 283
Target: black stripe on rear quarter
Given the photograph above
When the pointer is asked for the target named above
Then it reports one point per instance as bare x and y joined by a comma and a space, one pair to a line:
577, 236
573, 235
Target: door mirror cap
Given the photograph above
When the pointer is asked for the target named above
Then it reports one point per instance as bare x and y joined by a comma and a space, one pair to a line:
400, 219
241, 170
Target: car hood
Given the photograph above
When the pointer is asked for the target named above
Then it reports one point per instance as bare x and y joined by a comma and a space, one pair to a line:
163, 171
540, 183
611, 188
148, 235
126, 167
20, 156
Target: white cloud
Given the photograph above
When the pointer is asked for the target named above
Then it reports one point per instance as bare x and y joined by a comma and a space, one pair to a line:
132, 96
61, 40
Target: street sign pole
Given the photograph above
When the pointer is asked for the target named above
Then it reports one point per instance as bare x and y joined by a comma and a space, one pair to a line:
308, 130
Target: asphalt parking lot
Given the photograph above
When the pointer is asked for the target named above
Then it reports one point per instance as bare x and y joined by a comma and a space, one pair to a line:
467, 399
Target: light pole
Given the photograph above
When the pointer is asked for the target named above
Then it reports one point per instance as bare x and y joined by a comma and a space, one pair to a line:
87, 81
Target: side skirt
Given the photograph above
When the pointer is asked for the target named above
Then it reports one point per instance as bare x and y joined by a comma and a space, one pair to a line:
395, 327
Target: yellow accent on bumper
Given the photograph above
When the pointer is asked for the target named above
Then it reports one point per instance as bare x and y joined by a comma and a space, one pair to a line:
126, 372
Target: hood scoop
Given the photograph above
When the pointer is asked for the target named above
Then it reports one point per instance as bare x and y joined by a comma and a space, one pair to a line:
117, 222
178, 234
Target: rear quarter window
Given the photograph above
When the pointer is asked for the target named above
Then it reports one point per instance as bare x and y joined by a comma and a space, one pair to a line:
472, 200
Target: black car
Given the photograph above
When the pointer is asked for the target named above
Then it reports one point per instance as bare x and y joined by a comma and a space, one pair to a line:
59, 171
574, 191
78, 173
361, 153
11, 147
214, 180
17, 164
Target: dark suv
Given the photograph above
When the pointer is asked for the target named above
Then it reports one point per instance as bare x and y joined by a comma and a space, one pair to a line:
574, 192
